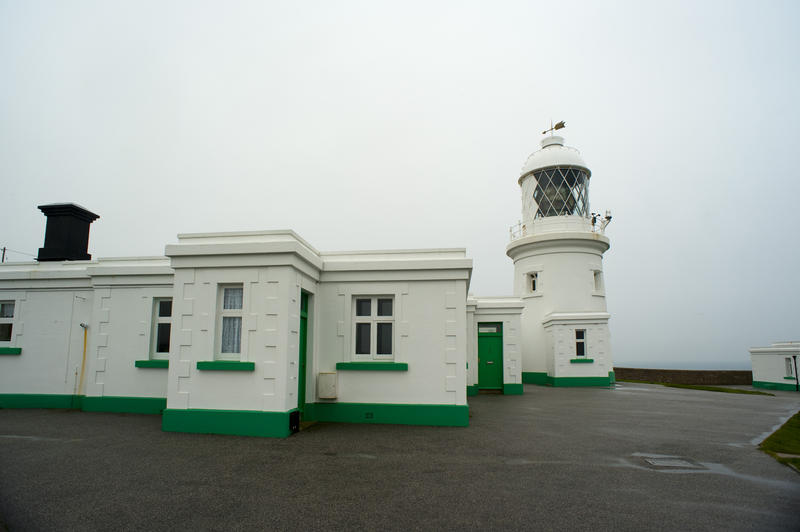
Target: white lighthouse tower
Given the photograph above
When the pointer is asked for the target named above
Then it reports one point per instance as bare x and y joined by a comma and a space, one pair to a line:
557, 251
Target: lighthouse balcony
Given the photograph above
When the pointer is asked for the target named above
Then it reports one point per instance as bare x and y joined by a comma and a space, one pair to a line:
556, 224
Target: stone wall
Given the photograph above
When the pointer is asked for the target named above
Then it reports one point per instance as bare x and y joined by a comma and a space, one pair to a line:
684, 376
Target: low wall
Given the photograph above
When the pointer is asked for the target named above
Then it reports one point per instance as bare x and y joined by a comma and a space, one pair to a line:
684, 376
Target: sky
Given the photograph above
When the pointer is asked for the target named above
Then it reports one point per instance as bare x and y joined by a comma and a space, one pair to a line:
382, 125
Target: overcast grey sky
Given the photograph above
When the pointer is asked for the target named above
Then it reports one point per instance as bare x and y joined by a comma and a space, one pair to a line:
404, 124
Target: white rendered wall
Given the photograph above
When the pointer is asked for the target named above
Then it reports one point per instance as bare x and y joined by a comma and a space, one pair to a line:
560, 337
430, 327
47, 328
271, 301
121, 330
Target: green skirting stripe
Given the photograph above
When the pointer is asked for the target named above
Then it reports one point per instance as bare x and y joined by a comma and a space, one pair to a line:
26, 400
512, 389
130, 405
775, 386
151, 363
789, 378
10, 350
226, 365
395, 414
539, 378
543, 379
372, 366
472, 390
234, 422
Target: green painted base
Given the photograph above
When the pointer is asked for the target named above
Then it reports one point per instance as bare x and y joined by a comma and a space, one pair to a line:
395, 414
472, 390
543, 379
234, 422
25, 400
372, 366
151, 363
128, 405
512, 389
539, 378
782, 386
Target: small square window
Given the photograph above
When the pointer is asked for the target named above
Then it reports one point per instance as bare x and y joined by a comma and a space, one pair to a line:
165, 308
5, 332
229, 321
384, 307
789, 367
598, 281
363, 307
232, 299
7, 309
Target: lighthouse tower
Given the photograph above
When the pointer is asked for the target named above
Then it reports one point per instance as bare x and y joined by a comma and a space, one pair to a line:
557, 251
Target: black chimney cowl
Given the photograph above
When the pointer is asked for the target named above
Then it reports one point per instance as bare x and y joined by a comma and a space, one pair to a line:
67, 234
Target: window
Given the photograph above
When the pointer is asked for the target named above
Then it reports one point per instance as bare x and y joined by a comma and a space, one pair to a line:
162, 327
533, 281
580, 342
230, 320
373, 330
598, 281
789, 372
6, 320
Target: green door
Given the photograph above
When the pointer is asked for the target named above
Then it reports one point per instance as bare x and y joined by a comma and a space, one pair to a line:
301, 377
490, 356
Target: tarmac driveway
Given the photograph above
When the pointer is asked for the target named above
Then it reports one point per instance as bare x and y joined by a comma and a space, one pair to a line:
637, 457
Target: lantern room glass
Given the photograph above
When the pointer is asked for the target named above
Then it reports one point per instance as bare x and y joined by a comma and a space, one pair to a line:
561, 192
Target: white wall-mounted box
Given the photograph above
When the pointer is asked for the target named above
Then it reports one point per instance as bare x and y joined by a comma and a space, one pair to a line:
326, 385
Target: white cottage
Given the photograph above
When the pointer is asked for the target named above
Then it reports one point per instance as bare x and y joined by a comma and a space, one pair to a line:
252, 333
775, 367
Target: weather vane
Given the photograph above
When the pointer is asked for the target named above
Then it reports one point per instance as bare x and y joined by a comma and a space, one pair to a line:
560, 125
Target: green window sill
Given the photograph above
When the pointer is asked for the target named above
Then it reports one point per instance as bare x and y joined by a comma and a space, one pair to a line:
789, 378
581, 360
226, 365
372, 366
10, 350
151, 363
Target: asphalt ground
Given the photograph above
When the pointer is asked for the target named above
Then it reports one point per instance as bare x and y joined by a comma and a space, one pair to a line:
551, 459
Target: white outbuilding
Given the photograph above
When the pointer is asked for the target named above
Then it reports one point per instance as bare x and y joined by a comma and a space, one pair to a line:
775, 367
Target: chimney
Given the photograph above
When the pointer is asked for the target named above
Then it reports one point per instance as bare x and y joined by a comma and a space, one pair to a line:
67, 234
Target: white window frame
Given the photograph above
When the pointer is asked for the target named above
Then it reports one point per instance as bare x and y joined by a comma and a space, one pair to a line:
374, 320
157, 319
597, 278
789, 367
580, 341
9, 320
222, 312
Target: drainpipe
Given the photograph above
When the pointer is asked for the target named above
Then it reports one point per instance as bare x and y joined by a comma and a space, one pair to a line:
796, 378
85, 328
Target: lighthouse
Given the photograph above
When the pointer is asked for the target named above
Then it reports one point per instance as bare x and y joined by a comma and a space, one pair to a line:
557, 249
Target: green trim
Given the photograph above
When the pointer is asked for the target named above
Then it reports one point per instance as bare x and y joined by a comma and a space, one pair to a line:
530, 377
151, 363
396, 414
30, 400
512, 389
543, 379
226, 365
774, 386
129, 405
790, 378
234, 422
581, 360
472, 390
10, 350
372, 366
